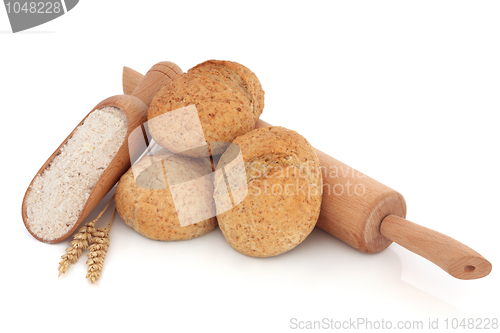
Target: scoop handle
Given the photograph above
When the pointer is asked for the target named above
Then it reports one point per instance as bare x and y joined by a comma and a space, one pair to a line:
457, 259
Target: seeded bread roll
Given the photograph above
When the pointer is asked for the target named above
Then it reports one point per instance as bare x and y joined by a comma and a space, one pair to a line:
240, 78
284, 185
229, 100
145, 201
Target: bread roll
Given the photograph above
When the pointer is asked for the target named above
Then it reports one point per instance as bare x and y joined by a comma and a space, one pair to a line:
284, 188
162, 197
228, 98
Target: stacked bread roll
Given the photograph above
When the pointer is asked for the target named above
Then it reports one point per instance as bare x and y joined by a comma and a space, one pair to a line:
280, 192
229, 100
146, 203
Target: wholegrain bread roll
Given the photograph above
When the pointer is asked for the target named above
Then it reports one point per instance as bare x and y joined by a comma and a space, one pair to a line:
146, 199
228, 98
283, 192
239, 77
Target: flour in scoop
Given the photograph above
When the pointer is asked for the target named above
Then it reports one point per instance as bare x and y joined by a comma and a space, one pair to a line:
58, 195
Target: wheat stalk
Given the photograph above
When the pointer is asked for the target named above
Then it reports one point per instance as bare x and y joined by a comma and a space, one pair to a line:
98, 250
80, 242
74, 251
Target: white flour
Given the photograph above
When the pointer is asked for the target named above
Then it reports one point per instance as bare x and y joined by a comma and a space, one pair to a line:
58, 195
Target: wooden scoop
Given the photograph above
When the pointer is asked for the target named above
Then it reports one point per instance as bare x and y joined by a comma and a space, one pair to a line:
371, 216
136, 112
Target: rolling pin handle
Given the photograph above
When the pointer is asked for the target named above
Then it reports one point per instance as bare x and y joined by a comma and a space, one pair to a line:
457, 259
130, 80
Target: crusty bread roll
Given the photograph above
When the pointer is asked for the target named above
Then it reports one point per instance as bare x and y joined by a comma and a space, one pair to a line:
240, 78
229, 100
284, 188
146, 200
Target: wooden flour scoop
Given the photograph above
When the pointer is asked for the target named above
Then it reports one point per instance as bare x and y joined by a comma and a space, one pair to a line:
135, 107
372, 217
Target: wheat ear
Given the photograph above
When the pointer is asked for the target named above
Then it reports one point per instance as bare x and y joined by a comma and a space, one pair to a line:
98, 250
80, 242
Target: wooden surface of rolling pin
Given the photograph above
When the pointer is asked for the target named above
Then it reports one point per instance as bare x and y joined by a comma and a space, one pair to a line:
369, 216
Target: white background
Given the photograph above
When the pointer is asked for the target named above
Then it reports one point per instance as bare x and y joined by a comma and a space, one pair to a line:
408, 92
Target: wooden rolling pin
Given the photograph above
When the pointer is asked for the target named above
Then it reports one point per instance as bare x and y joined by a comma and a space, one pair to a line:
369, 216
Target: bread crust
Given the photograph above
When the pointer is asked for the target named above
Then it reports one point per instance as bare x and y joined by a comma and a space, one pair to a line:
145, 202
284, 186
229, 100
